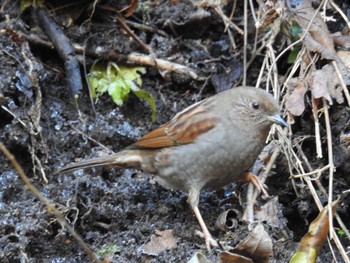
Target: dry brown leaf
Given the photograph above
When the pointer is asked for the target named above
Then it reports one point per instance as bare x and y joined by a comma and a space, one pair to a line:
324, 84
321, 81
270, 212
228, 220
295, 101
227, 257
312, 242
319, 39
270, 11
341, 40
198, 258
345, 57
257, 245
343, 62
345, 140
209, 3
160, 242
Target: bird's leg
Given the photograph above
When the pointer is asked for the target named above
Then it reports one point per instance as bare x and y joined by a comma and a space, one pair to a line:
193, 200
209, 240
252, 178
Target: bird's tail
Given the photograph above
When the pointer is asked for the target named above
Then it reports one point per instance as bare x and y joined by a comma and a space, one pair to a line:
123, 159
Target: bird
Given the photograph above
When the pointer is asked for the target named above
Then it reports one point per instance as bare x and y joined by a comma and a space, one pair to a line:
208, 145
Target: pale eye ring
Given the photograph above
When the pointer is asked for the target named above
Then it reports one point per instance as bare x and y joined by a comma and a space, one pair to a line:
255, 105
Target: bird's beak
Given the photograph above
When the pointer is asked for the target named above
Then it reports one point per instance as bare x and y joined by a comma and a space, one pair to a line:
279, 120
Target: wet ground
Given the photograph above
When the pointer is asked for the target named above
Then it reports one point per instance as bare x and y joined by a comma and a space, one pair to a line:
117, 211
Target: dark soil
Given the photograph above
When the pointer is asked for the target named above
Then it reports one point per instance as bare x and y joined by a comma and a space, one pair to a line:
122, 209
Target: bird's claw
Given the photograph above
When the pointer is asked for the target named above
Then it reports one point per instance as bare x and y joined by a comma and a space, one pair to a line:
209, 240
252, 178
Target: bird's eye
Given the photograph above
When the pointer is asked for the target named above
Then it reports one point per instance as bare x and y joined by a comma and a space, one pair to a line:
255, 105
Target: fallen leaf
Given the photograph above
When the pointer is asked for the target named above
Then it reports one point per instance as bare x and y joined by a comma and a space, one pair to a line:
209, 3
319, 39
295, 101
345, 57
160, 242
271, 213
228, 220
257, 245
341, 40
321, 82
324, 83
198, 258
269, 11
227, 257
312, 242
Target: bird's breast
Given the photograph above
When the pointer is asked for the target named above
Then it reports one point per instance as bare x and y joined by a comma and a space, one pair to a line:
212, 161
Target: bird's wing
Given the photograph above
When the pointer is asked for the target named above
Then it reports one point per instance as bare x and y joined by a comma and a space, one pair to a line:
184, 128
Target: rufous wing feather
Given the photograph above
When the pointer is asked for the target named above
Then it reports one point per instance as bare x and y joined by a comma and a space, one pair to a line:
184, 128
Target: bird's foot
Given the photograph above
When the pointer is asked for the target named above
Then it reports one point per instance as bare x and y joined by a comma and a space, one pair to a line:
209, 240
252, 178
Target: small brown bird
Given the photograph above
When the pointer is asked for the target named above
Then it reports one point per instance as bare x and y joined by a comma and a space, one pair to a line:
208, 145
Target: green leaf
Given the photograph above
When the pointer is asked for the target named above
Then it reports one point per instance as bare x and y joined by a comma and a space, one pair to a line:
141, 94
341, 232
293, 55
109, 250
295, 31
118, 81
132, 73
24, 4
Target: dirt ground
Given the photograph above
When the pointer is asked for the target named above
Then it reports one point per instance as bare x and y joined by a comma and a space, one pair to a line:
115, 212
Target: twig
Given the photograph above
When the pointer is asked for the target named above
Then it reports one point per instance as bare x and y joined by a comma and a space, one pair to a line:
295, 67
331, 248
322, 189
319, 153
36, 162
251, 4
87, 80
133, 58
14, 115
139, 59
330, 161
319, 205
342, 83
334, 5
301, 39
65, 51
160, 63
318, 171
146, 28
233, 10
129, 31
272, 56
252, 192
91, 139
261, 73
309, 168
245, 37
227, 23
49, 206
